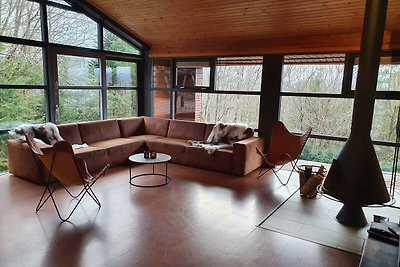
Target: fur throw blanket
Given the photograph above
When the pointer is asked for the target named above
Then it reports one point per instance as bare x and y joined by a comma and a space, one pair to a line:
42, 133
223, 135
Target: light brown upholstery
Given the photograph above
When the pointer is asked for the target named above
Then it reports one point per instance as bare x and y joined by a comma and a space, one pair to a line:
156, 126
131, 126
112, 141
186, 130
284, 147
172, 146
99, 130
70, 133
119, 149
22, 163
244, 158
61, 163
221, 160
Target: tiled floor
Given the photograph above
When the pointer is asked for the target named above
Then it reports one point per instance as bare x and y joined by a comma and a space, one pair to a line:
314, 220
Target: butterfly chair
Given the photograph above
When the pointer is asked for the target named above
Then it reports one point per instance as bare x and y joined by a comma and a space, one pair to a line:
64, 169
284, 147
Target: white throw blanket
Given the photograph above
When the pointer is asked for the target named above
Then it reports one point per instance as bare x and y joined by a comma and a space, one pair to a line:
42, 133
223, 135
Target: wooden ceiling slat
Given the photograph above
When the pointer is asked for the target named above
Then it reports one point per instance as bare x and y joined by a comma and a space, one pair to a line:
242, 26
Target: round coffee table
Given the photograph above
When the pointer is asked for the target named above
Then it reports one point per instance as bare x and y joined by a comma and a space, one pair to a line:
139, 158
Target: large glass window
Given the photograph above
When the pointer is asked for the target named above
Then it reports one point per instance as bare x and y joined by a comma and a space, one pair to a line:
321, 150
121, 73
388, 74
61, 2
162, 73
384, 120
74, 70
71, 28
21, 64
20, 19
299, 113
121, 103
212, 108
79, 105
77, 84
116, 44
161, 104
192, 74
19, 106
313, 74
239, 74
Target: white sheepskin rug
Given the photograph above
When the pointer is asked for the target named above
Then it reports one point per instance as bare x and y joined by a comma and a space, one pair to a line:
42, 133
223, 135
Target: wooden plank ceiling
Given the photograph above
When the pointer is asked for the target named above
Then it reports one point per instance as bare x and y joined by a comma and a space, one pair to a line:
174, 28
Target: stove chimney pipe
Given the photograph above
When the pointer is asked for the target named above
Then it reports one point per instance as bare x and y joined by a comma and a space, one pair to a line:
355, 178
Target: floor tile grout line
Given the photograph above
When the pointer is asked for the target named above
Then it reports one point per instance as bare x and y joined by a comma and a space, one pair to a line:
276, 208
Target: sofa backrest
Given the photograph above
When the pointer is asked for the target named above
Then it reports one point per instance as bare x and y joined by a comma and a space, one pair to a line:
99, 130
156, 126
70, 133
186, 130
131, 126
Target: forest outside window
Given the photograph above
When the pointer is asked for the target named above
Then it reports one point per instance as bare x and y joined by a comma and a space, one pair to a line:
239, 74
388, 74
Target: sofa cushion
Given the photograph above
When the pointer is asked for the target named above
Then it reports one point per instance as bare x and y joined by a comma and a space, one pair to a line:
96, 158
176, 148
119, 149
70, 133
99, 130
221, 160
144, 137
186, 130
131, 126
156, 126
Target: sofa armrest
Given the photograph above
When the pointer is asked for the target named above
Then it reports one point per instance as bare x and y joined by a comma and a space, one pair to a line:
245, 157
22, 162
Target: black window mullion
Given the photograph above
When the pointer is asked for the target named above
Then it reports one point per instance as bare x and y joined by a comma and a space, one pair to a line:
100, 44
348, 75
103, 99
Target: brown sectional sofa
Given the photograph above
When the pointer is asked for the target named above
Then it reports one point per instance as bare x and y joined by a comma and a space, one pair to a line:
113, 141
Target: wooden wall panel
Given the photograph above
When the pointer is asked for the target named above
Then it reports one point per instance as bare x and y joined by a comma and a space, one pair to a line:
240, 27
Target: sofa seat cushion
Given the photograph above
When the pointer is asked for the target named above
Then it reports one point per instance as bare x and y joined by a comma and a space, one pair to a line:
175, 147
144, 137
119, 149
221, 160
96, 158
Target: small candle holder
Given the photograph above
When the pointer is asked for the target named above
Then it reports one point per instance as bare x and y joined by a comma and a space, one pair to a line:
146, 154
153, 154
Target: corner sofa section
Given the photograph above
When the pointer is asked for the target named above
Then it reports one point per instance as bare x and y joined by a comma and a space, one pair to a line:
113, 141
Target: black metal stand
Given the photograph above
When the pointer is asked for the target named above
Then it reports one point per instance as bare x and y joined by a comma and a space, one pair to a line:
167, 178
